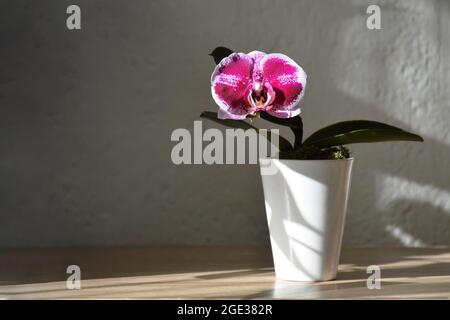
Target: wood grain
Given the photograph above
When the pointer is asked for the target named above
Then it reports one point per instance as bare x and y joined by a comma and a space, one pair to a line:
216, 272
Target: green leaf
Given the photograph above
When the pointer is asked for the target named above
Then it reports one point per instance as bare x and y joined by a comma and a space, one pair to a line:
358, 131
240, 124
285, 145
219, 53
294, 122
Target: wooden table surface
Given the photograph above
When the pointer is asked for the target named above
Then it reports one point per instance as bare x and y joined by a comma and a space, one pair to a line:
215, 272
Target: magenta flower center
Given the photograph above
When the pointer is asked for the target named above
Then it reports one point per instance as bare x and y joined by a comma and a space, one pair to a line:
259, 95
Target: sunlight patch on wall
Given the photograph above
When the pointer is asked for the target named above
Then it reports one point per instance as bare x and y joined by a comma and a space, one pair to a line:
395, 69
403, 237
394, 188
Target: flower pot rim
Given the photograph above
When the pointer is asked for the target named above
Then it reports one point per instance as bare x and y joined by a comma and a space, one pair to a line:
310, 160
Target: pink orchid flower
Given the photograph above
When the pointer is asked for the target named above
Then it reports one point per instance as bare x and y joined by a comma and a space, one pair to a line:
244, 84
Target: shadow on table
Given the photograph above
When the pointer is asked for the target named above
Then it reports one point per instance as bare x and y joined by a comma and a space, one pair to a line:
400, 271
399, 267
39, 265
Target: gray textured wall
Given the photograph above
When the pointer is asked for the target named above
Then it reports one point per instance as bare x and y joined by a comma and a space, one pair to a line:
86, 117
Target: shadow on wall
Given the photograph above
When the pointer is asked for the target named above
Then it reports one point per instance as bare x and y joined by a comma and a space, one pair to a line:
378, 75
81, 164
417, 218
391, 210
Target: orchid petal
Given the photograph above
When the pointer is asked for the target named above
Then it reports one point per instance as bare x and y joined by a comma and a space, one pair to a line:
288, 81
257, 75
256, 55
284, 113
229, 82
222, 114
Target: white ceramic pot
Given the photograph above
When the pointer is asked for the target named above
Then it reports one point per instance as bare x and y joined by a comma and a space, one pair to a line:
306, 203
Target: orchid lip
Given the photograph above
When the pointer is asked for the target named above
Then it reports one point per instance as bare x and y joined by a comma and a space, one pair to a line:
260, 96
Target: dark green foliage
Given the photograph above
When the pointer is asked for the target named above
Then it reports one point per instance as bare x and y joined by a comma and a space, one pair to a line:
219, 53
285, 145
240, 124
326, 143
358, 131
315, 153
295, 123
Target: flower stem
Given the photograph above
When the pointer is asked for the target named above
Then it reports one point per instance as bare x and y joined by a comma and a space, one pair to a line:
298, 133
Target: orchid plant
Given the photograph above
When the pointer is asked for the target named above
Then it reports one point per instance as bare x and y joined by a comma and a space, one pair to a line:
271, 86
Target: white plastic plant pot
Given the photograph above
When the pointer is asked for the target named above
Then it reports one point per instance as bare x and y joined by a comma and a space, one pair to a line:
306, 204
